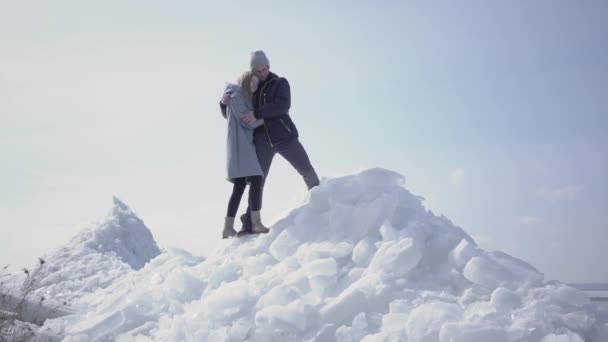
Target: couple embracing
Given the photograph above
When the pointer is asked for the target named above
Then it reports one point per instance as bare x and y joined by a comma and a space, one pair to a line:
256, 109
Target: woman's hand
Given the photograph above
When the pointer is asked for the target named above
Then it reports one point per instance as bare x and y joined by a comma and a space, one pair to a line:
248, 118
226, 99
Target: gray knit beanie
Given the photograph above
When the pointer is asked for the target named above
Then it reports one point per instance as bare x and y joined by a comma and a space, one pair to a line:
258, 58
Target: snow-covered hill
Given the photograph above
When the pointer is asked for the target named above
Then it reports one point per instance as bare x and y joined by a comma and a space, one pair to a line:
97, 256
360, 260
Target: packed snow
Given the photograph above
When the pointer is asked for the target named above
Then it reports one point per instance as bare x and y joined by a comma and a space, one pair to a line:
97, 257
360, 260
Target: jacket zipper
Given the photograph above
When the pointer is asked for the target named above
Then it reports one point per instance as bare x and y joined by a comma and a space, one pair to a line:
287, 127
268, 135
263, 103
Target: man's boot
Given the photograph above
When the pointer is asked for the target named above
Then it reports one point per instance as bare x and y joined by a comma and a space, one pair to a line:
256, 223
246, 229
228, 227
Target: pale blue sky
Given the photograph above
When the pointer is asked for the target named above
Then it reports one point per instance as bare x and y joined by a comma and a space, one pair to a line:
496, 113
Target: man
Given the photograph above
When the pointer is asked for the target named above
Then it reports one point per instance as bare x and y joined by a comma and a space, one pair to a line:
278, 134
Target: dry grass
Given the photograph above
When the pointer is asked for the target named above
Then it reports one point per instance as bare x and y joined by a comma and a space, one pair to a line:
21, 310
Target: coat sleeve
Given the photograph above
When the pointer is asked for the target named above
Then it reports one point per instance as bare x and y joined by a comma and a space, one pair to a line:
223, 106
238, 108
280, 104
257, 123
223, 109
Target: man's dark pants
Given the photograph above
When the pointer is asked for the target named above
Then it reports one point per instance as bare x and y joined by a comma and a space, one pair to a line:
293, 151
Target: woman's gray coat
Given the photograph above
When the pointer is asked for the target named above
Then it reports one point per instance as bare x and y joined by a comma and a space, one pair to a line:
241, 160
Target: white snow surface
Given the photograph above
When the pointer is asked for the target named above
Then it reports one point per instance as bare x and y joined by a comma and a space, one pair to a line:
97, 257
360, 260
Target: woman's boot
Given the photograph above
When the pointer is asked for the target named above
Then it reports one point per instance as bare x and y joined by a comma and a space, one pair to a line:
228, 227
256, 223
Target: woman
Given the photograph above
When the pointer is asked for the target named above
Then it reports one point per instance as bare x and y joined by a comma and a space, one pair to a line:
242, 162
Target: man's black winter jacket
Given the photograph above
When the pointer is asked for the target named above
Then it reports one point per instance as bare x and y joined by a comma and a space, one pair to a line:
271, 102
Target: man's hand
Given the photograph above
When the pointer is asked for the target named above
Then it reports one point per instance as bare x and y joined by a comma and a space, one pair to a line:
248, 118
226, 99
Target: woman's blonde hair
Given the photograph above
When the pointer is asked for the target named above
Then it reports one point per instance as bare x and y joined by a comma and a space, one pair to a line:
244, 82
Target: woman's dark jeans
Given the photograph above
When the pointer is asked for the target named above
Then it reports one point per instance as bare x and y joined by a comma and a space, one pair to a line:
255, 194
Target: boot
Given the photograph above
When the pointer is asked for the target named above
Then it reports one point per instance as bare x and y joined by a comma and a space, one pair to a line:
256, 223
228, 227
246, 229
246, 221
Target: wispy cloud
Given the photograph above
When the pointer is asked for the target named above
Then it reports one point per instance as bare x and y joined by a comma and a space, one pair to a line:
456, 177
569, 192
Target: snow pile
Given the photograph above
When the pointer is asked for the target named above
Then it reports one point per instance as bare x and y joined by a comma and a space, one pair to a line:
360, 260
160, 288
97, 256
